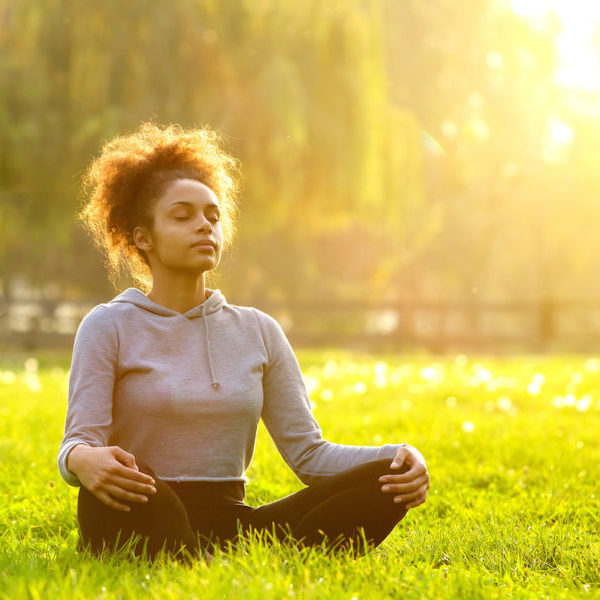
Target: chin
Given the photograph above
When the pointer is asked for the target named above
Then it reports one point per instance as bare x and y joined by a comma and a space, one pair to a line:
207, 266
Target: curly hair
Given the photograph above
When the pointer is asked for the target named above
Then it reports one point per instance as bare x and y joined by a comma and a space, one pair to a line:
120, 185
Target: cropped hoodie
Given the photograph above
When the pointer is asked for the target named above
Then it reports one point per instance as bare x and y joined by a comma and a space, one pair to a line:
184, 392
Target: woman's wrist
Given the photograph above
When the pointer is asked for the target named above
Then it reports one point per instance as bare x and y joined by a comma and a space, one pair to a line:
73, 456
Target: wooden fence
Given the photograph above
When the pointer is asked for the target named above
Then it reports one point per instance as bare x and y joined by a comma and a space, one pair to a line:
572, 325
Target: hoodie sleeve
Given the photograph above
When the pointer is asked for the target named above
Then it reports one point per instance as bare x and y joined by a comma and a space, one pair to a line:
91, 386
288, 417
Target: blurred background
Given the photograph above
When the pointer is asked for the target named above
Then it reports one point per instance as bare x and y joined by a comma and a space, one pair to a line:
416, 173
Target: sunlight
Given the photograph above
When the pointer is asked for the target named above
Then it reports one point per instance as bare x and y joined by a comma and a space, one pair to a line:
560, 132
468, 426
531, 9
579, 66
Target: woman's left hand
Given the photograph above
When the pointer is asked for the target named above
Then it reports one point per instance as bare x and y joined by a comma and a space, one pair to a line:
410, 486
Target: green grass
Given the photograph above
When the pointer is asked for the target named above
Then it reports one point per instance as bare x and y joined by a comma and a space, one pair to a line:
513, 508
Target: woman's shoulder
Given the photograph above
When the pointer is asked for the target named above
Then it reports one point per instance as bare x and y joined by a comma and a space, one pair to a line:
252, 318
252, 313
271, 331
103, 314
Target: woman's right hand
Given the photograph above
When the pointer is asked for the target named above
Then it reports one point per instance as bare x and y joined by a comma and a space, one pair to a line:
110, 474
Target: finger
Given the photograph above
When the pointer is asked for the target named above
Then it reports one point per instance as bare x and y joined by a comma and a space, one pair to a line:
106, 499
415, 471
132, 485
405, 488
122, 494
400, 457
406, 498
411, 475
415, 503
123, 456
129, 473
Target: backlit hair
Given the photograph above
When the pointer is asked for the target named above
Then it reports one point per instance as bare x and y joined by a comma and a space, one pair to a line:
120, 185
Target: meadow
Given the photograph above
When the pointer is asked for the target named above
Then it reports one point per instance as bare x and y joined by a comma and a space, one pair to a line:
512, 448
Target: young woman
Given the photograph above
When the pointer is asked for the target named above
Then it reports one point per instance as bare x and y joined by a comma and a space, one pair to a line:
167, 387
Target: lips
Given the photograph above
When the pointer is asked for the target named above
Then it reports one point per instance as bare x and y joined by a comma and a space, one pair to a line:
204, 244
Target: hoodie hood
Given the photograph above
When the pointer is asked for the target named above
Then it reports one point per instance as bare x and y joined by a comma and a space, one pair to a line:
211, 305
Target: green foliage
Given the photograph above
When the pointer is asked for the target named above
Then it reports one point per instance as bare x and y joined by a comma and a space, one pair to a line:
297, 89
423, 130
512, 450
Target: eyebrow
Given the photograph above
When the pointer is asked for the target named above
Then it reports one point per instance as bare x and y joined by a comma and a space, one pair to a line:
209, 205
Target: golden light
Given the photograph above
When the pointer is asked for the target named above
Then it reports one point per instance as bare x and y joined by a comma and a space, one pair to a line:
559, 137
579, 64
560, 132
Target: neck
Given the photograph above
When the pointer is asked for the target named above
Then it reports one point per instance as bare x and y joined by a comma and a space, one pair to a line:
179, 293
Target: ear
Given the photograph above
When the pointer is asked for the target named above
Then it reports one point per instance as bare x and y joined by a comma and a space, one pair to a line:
142, 238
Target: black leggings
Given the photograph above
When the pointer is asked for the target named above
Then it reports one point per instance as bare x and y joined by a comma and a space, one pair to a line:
340, 512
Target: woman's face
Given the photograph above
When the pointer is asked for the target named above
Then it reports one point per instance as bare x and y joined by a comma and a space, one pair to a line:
186, 234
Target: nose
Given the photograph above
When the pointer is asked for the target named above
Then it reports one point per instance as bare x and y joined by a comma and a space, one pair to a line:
203, 223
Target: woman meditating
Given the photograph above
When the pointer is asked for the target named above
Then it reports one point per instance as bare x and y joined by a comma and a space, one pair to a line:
168, 382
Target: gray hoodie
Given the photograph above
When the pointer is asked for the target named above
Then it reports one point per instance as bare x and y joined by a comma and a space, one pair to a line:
184, 392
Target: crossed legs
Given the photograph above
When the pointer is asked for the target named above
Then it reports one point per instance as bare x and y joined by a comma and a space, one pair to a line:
334, 511
337, 510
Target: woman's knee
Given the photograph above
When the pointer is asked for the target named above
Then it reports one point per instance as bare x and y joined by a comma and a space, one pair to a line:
371, 471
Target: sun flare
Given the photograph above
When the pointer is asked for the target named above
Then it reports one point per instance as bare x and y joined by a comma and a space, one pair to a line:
577, 46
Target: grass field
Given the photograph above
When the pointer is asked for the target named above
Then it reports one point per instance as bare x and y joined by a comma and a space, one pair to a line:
513, 451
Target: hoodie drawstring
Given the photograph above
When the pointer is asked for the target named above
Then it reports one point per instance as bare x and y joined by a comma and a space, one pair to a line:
215, 384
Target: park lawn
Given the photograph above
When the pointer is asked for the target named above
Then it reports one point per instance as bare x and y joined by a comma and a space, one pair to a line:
513, 452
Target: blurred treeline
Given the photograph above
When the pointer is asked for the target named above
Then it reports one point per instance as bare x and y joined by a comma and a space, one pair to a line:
390, 149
